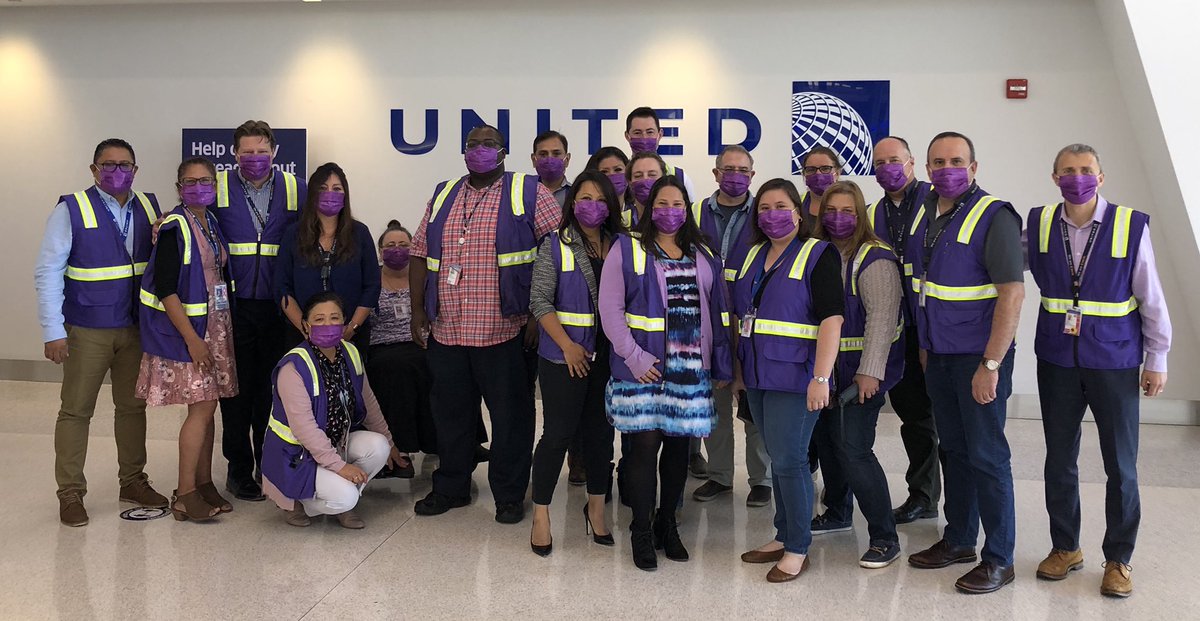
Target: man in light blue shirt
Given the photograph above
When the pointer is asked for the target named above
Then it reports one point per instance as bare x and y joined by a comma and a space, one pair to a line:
88, 274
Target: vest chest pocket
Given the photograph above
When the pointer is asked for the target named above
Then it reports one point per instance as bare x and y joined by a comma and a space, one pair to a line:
89, 296
1115, 330
953, 317
776, 351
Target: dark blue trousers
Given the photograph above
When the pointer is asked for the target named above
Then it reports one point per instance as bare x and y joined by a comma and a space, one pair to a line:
854, 468
1113, 396
978, 470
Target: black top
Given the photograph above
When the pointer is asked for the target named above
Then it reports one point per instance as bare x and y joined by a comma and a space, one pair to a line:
828, 295
602, 343
167, 264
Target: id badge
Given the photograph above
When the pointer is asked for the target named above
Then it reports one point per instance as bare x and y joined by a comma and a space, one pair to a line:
401, 310
221, 297
748, 324
453, 275
1072, 321
923, 296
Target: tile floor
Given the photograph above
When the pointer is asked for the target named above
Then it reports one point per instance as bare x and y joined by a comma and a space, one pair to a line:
464, 565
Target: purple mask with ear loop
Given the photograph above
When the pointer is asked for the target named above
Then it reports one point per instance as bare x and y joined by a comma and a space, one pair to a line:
1078, 189
325, 336
643, 145
198, 194
116, 181
591, 213
618, 181
891, 177
668, 219
641, 189
255, 166
396, 257
482, 159
734, 183
818, 182
550, 168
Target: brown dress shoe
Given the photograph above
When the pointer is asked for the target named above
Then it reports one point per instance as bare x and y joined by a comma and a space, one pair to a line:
756, 556
140, 493
1059, 563
985, 578
297, 517
778, 575
350, 520
71, 511
1117, 579
942, 554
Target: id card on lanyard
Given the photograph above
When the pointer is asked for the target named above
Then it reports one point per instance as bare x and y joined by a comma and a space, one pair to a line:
930, 246
1073, 319
759, 285
262, 220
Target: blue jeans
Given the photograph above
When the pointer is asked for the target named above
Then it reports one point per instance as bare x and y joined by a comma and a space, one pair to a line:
855, 468
978, 469
1113, 396
786, 426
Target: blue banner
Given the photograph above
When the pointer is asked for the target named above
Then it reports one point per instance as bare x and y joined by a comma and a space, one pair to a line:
848, 117
291, 149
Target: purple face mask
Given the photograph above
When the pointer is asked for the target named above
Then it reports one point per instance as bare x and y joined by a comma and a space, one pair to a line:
198, 194
254, 166
668, 219
643, 145
396, 257
818, 182
891, 177
1078, 189
641, 189
591, 213
950, 182
325, 336
734, 183
776, 223
482, 159
840, 224
116, 182
618, 181
550, 168
331, 203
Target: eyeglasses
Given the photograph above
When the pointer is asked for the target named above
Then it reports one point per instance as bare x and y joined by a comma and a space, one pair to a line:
111, 166
489, 143
812, 170
731, 169
190, 181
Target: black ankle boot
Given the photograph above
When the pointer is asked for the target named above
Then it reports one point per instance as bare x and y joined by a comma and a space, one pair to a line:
643, 549
666, 536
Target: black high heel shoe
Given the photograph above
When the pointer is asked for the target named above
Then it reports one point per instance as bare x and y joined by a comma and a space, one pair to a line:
542, 551
604, 540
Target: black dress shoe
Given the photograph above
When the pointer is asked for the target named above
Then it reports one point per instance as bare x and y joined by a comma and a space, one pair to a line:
437, 504
942, 554
244, 489
644, 556
665, 532
985, 578
482, 454
913, 510
510, 512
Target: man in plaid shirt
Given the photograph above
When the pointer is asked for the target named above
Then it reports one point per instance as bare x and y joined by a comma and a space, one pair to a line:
477, 346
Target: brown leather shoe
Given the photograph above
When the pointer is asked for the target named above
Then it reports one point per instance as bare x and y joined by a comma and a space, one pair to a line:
985, 578
756, 556
140, 493
1117, 579
297, 517
70, 509
1059, 563
777, 575
942, 554
350, 520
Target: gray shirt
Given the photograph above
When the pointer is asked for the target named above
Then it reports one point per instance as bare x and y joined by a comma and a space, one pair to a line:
1003, 257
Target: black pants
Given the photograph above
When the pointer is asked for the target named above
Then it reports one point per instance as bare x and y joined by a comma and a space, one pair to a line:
822, 449
572, 407
258, 329
917, 429
643, 463
1113, 396
498, 374
855, 468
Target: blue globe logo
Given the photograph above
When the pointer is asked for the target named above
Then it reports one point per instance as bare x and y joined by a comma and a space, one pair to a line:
822, 119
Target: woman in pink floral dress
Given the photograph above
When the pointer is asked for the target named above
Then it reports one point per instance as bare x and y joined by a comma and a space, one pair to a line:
187, 334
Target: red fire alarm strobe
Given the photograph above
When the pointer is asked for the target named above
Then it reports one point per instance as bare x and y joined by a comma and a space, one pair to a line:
1018, 88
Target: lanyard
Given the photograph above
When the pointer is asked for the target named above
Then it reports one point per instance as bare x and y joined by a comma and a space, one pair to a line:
896, 220
467, 216
1077, 277
929, 224
326, 262
764, 275
124, 231
209, 233
262, 220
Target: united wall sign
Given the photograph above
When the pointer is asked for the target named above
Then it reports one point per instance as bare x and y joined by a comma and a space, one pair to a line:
848, 117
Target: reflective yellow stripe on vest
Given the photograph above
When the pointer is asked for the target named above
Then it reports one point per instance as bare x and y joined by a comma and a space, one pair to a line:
312, 368
725, 319
283, 431
859, 342
568, 257
730, 274
289, 185
440, 199
246, 249
516, 258
972, 219
86, 212
785, 328
191, 310
954, 294
749, 260
908, 269
97, 274
801, 262
627, 218
1121, 223
518, 194
857, 265
185, 231
355, 357
697, 211
917, 220
222, 189
639, 257
1094, 309
1045, 224
645, 324
147, 206
578, 320
432, 264
871, 212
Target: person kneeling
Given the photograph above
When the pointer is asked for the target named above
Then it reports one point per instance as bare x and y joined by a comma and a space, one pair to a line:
327, 435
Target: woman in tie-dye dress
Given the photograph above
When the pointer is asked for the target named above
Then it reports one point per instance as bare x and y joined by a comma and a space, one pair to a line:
663, 306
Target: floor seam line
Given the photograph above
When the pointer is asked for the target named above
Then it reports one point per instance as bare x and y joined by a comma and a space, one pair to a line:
354, 569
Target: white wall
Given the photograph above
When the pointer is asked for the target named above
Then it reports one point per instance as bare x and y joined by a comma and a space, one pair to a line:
72, 76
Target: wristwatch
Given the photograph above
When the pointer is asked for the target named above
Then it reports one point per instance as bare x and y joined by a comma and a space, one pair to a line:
991, 365
821, 380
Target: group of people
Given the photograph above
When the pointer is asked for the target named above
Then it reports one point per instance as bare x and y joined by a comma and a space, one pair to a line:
637, 307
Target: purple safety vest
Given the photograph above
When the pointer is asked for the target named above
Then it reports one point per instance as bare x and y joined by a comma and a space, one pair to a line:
285, 462
572, 302
1111, 328
854, 325
706, 221
879, 221
960, 297
646, 311
102, 280
781, 350
252, 256
516, 240
160, 337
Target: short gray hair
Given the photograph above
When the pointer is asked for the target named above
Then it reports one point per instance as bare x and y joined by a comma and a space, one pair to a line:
1077, 149
735, 148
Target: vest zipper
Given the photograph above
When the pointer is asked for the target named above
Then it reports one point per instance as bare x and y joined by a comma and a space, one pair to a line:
257, 258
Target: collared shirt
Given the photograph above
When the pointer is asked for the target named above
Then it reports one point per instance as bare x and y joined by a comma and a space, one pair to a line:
560, 194
899, 216
469, 312
51, 268
261, 197
1147, 288
730, 220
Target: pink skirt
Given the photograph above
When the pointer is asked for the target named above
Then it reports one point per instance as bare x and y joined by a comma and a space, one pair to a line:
162, 381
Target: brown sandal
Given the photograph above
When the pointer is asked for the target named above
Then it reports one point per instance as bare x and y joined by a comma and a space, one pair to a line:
194, 507
209, 493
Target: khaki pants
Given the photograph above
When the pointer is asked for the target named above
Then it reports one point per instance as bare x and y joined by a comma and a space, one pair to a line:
91, 354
